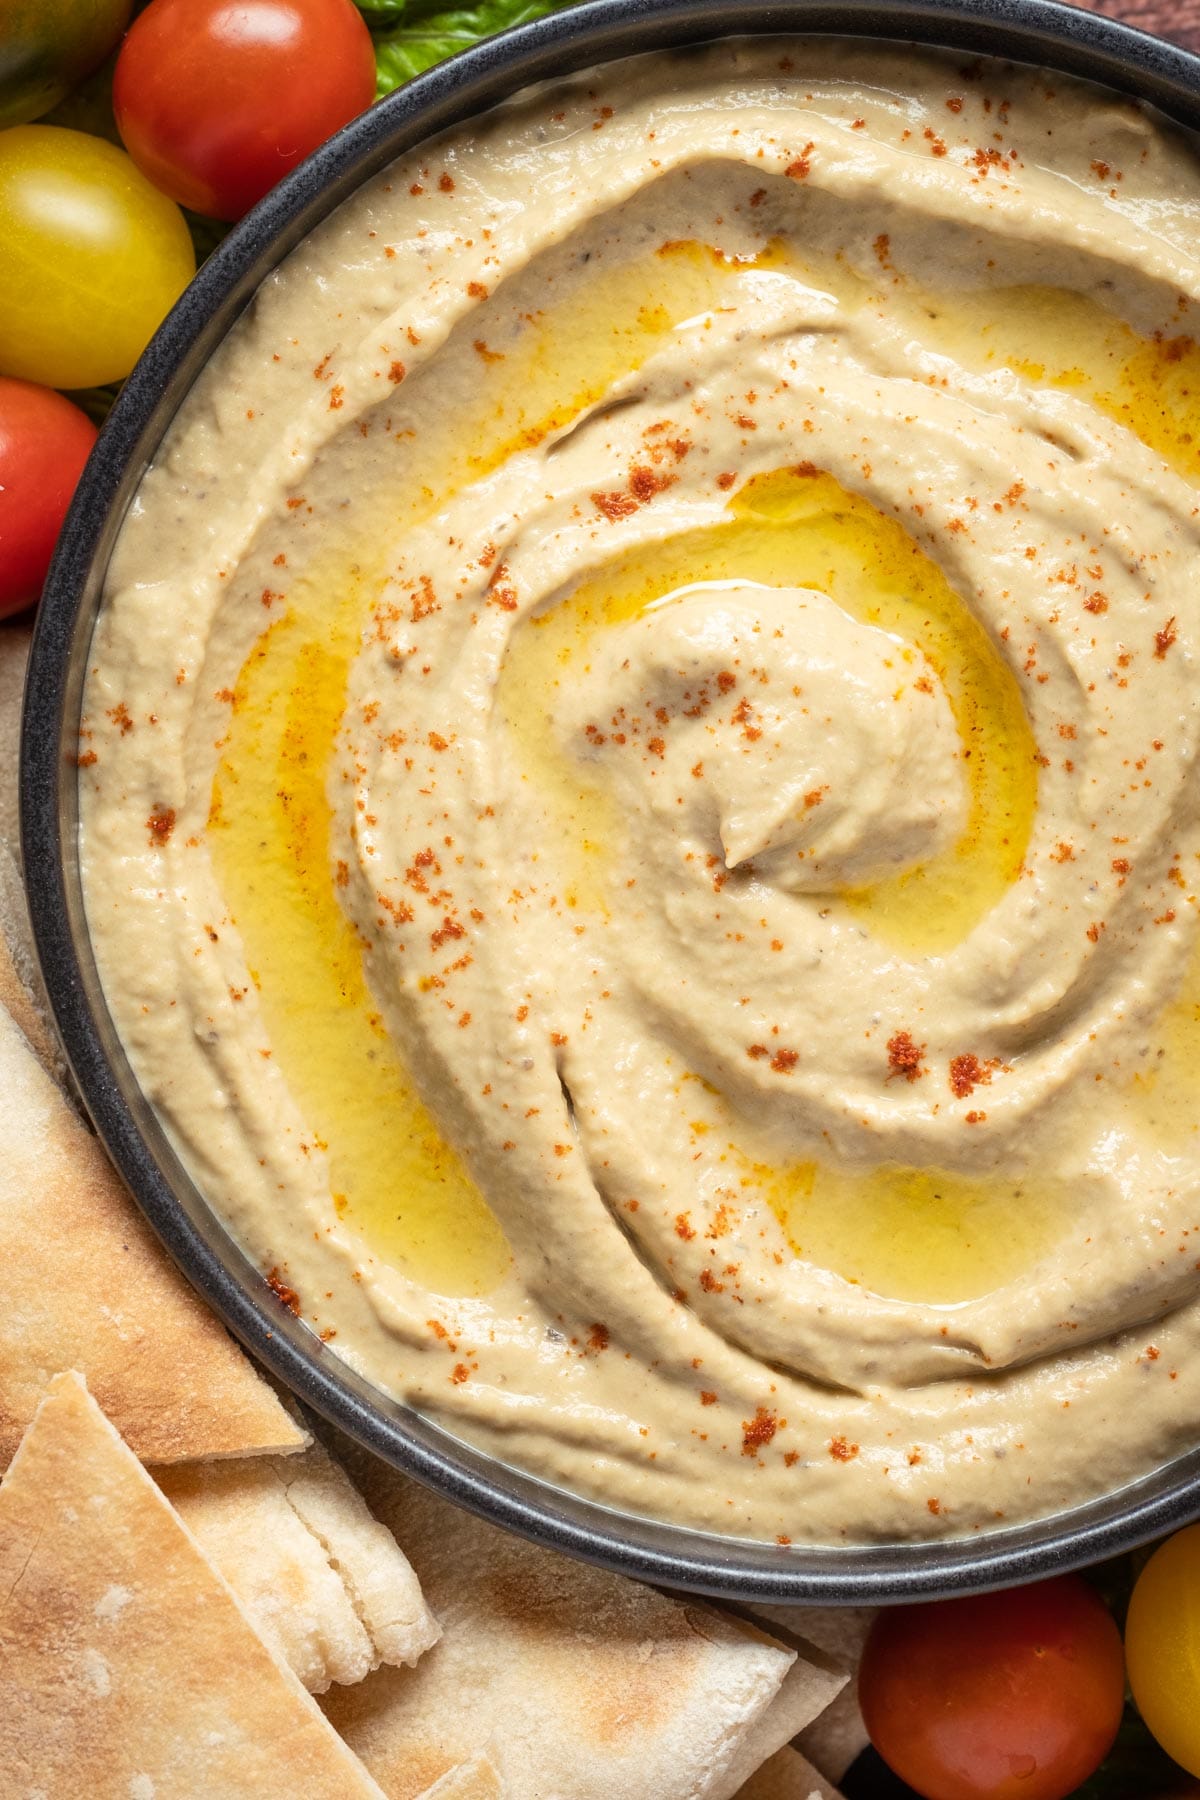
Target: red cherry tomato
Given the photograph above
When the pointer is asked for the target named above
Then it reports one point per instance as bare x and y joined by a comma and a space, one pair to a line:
217, 99
44, 443
1010, 1696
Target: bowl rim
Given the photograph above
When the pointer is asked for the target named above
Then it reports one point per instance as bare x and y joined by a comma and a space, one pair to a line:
1042, 32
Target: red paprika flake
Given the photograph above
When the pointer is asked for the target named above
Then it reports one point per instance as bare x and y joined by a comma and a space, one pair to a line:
758, 1431
904, 1056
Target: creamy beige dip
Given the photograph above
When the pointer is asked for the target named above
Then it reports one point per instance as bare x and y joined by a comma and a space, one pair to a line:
639, 788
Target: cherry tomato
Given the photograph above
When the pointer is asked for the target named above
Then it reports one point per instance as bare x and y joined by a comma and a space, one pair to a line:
1010, 1696
217, 99
1162, 1642
44, 443
48, 46
91, 258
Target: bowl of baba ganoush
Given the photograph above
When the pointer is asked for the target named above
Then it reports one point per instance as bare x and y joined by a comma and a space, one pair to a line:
612, 788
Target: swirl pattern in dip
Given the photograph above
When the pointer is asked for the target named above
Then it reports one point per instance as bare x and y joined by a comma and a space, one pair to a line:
639, 787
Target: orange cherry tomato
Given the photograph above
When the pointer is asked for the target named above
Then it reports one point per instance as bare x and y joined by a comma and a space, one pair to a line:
1008, 1696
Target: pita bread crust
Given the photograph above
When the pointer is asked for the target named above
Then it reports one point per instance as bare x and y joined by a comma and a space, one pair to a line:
20, 981
840, 1631
239, 1514
324, 1583
477, 1780
838, 1735
14, 995
577, 1683
812, 1684
124, 1652
378, 1576
87, 1286
788, 1776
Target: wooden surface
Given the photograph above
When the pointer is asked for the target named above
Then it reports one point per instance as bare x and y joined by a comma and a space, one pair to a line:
1178, 20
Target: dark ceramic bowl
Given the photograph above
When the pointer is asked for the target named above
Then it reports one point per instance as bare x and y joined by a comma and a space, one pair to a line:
1033, 31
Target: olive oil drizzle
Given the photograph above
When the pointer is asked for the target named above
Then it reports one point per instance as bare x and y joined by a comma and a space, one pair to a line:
919, 1234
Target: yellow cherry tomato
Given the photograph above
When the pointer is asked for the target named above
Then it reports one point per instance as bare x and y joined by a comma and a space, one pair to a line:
1162, 1646
91, 258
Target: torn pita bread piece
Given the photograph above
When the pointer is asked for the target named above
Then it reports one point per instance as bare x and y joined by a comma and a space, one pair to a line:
840, 1631
809, 1688
838, 1735
14, 654
324, 1583
477, 1780
129, 1667
576, 1683
86, 1286
20, 981
788, 1776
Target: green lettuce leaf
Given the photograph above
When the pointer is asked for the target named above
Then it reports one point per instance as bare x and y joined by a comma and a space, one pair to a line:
383, 12
422, 38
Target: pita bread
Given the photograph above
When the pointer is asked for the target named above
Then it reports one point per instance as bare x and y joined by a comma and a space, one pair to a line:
238, 1513
86, 1286
20, 980
129, 1668
578, 1684
323, 1582
787, 1776
376, 1571
476, 1780
811, 1686
838, 1735
14, 654
840, 1631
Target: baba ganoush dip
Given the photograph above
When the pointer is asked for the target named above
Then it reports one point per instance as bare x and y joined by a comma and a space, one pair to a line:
639, 787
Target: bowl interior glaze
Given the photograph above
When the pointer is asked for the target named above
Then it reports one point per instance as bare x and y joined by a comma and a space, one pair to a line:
1034, 31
